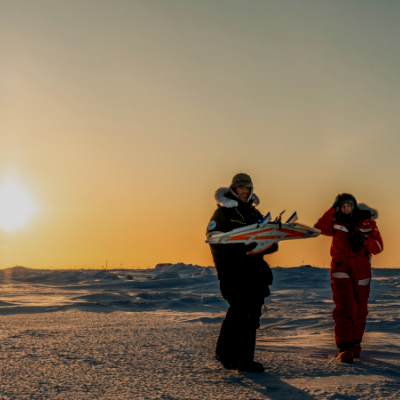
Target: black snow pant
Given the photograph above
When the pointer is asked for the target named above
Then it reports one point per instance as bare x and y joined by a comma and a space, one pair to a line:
237, 337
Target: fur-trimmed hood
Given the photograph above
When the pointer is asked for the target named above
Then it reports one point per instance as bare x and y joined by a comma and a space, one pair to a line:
374, 213
224, 201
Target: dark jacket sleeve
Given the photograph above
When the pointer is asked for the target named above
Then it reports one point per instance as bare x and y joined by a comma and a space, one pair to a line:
220, 222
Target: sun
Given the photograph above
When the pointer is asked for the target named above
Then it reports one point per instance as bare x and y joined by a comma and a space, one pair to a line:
16, 206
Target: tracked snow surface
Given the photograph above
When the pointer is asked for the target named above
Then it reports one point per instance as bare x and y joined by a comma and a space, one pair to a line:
150, 334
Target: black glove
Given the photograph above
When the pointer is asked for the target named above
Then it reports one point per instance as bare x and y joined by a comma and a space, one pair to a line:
271, 249
356, 241
335, 204
250, 247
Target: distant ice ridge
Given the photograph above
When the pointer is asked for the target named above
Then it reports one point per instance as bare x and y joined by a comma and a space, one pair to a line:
300, 296
179, 287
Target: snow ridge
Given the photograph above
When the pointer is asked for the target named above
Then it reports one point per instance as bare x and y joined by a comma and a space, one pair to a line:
116, 334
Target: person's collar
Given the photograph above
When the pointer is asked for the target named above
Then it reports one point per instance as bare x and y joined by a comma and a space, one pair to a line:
224, 198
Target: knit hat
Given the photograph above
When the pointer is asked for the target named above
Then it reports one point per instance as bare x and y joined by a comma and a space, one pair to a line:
347, 198
241, 180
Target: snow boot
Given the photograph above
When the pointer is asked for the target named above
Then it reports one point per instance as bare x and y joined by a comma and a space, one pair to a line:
357, 350
251, 366
345, 355
227, 362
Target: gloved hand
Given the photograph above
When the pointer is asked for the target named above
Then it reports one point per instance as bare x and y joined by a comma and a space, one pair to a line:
250, 247
271, 249
335, 204
356, 241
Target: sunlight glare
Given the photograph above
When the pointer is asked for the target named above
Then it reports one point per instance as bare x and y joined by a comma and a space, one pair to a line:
16, 206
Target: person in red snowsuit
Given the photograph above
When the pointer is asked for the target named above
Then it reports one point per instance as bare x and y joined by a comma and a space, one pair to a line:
355, 238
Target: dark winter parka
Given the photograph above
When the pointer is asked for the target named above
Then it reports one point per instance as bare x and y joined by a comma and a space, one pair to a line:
239, 274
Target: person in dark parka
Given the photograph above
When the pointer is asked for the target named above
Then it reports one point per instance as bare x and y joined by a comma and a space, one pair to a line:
243, 279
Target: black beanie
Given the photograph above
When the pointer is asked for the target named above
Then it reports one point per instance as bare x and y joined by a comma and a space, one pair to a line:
347, 198
241, 180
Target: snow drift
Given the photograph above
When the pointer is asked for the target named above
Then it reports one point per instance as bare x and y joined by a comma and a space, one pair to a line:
150, 334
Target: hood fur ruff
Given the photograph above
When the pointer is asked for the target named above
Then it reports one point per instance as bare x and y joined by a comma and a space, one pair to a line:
230, 203
374, 213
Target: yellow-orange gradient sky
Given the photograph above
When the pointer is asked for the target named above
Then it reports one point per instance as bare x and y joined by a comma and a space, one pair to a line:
119, 120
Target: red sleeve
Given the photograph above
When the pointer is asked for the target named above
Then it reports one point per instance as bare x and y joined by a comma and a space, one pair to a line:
374, 243
325, 223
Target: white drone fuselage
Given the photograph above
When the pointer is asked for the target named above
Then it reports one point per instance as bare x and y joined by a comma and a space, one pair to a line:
265, 233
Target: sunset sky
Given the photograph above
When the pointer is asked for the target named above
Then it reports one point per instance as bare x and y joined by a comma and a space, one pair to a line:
119, 120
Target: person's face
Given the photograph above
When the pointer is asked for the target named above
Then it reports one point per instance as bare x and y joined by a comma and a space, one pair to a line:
346, 208
243, 193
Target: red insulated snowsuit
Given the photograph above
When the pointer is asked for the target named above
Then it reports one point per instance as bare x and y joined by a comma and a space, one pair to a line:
350, 274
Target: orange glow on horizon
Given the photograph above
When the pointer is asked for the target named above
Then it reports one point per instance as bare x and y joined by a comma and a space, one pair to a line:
122, 128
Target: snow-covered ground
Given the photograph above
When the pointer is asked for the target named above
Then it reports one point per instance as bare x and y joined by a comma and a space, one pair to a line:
150, 334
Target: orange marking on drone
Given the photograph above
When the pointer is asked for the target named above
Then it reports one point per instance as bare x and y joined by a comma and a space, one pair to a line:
247, 236
292, 233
